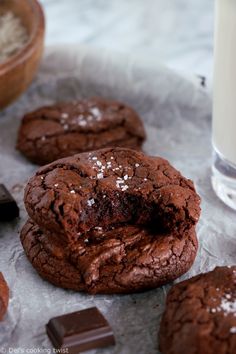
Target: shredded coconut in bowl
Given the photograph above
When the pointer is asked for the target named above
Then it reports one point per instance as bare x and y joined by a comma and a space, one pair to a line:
13, 35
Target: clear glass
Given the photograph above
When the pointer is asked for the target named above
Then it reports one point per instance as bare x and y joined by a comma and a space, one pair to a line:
224, 103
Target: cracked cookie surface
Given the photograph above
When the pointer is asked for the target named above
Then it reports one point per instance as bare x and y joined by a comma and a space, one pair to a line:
124, 259
200, 315
108, 187
4, 296
53, 132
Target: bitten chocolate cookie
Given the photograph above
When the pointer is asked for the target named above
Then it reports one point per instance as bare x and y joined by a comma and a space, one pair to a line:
4, 296
110, 187
50, 133
110, 221
124, 259
200, 315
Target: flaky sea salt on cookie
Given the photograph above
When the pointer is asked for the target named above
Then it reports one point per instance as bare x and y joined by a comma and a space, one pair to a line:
65, 129
200, 315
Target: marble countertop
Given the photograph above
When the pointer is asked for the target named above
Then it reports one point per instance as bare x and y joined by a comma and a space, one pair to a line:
178, 33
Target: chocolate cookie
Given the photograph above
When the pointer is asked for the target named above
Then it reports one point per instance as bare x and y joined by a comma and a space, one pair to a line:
200, 315
124, 259
50, 133
4, 296
47, 255
109, 187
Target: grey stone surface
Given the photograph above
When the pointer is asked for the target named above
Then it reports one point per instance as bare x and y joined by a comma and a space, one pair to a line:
178, 33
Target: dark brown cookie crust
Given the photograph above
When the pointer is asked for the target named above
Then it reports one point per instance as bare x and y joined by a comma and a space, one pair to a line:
47, 255
108, 187
200, 315
4, 296
125, 259
53, 132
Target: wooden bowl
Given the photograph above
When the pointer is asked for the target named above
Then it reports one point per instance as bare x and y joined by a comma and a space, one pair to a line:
17, 72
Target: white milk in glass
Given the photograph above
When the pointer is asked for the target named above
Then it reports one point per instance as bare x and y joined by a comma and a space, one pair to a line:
224, 102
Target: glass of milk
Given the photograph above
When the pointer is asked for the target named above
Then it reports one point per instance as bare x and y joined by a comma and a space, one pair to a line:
224, 103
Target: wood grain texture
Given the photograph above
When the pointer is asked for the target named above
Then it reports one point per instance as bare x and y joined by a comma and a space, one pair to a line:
17, 72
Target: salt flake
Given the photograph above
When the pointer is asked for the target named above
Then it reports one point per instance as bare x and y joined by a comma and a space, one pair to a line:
100, 175
64, 115
82, 123
90, 202
96, 112
124, 188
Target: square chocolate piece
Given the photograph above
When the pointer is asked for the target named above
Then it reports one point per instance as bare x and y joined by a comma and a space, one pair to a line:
80, 331
8, 207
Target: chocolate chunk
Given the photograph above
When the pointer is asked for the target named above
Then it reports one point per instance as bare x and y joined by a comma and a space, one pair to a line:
8, 207
80, 331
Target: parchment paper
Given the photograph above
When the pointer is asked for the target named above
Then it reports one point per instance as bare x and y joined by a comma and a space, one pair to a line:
176, 112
